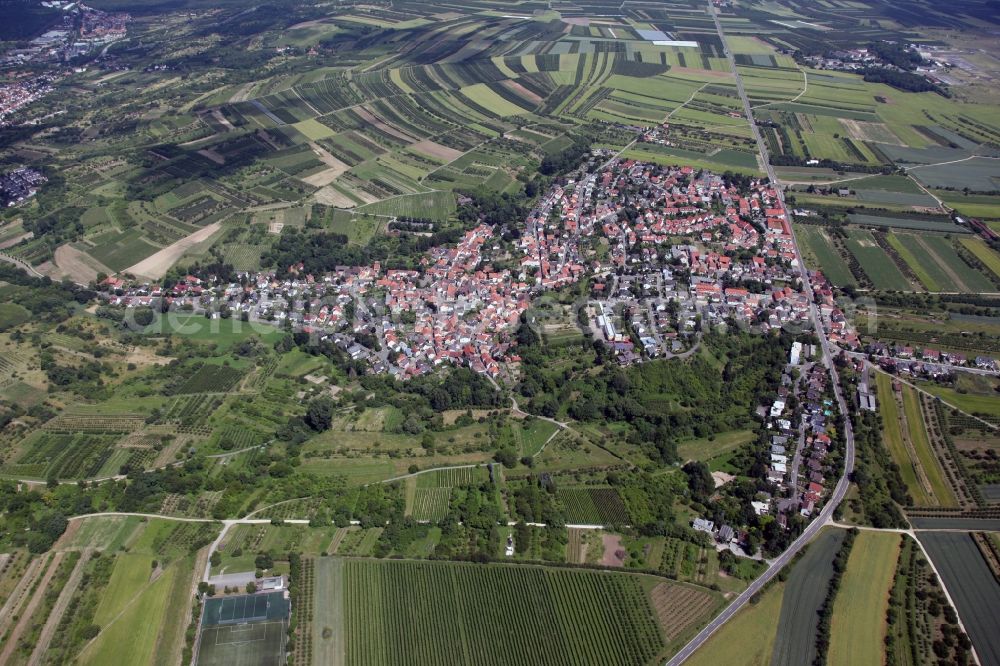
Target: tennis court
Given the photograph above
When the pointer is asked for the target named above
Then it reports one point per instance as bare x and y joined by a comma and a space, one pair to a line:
245, 608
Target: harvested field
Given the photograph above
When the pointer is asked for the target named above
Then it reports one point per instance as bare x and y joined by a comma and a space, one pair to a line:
324, 177
614, 553
522, 92
328, 196
747, 638
326, 158
212, 155
434, 149
378, 123
76, 265
863, 130
156, 266
679, 607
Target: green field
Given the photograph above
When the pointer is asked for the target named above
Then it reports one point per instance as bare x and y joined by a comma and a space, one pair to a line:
328, 612
223, 333
892, 437
714, 447
819, 244
433, 612
938, 265
746, 639
983, 252
805, 591
931, 466
139, 609
429, 205
967, 402
857, 629
874, 261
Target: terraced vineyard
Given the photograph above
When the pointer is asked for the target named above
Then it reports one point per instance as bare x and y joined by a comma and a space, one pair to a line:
600, 506
447, 478
211, 379
454, 613
430, 503
64, 456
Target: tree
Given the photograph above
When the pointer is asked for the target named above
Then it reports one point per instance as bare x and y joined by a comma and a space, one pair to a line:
216, 558
263, 561
700, 481
251, 587
319, 414
143, 316
506, 457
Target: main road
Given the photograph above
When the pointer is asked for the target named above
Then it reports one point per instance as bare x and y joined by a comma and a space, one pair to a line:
840, 490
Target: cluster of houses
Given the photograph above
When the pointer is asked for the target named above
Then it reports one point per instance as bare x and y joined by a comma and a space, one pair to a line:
16, 95
20, 185
926, 361
804, 476
800, 444
917, 361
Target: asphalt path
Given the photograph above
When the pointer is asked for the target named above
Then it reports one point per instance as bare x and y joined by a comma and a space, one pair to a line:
840, 490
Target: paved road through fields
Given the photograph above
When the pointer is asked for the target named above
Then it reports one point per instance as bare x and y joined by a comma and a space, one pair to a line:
827, 359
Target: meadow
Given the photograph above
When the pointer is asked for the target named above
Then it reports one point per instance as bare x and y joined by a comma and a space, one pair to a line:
858, 628
748, 638
905, 435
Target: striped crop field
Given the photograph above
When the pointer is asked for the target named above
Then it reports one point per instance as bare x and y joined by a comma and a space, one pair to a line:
456, 476
601, 506
407, 612
430, 503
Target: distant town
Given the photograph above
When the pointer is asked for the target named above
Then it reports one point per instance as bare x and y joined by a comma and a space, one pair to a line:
82, 31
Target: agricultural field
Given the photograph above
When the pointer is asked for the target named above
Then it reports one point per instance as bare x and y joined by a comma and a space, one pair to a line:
857, 630
749, 637
129, 578
590, 505
804, 593
974, 396
971, 585
328, 621
822, 252
875, 263
286, 138
461, 612
905, 435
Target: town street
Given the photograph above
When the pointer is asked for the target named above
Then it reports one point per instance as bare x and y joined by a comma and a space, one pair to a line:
837, 496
